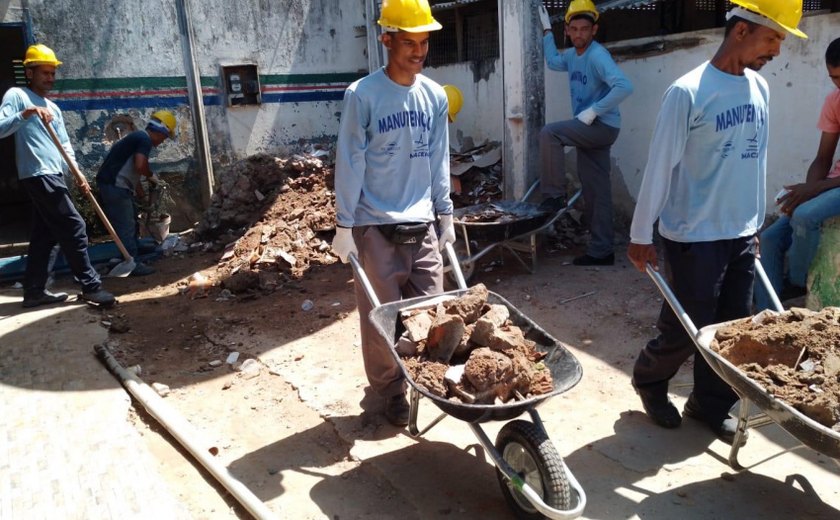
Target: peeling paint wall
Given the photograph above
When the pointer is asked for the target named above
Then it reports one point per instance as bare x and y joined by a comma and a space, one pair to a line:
125, 59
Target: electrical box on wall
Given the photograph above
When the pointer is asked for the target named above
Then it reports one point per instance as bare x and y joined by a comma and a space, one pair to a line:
241, 85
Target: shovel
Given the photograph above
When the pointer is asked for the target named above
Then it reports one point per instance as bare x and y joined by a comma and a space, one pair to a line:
125, 267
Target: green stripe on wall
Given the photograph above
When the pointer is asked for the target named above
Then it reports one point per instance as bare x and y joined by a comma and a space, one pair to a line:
157, 82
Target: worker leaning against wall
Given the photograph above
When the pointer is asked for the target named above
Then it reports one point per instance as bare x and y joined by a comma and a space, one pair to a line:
391, 181
41, 172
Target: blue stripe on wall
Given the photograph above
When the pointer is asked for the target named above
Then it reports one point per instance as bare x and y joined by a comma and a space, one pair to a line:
80, 105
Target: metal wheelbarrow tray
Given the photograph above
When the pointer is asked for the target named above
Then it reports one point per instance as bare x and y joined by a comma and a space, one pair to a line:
806, 430
534, 480
516, 231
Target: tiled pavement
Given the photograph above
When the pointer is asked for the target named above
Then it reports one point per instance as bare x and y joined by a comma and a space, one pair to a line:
67, 449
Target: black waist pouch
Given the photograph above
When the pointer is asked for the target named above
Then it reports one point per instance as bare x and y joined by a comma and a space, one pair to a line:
408, 233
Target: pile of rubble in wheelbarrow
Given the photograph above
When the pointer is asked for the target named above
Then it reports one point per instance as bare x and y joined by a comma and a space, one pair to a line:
795, 356
467, 350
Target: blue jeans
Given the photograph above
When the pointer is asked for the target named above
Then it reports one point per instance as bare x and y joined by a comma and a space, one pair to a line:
118, 205
795, 238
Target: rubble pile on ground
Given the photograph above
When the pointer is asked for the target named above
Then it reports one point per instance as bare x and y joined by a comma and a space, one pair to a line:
468, 350
272, 217
795, 356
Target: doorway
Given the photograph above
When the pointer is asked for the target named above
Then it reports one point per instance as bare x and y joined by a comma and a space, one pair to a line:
15, 208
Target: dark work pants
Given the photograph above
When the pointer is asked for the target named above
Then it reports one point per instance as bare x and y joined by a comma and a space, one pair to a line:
396, 272
714, 282
55, 220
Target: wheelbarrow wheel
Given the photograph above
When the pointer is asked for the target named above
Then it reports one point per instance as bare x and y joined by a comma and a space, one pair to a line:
528, 450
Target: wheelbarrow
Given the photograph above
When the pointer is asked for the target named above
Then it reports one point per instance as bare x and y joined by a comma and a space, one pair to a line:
771, 410
534, 480
509, 224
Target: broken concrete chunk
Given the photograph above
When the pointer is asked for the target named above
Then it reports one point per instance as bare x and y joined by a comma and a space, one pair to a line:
161, 389
405, 347
417, 325
444, 336
470, 305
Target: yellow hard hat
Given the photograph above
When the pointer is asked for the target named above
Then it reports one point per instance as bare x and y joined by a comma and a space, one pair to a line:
786, 13
407, 15
40, 54
168, 119
581, 7
456, 101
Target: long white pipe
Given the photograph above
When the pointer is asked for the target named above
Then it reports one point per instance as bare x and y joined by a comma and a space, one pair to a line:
183, 431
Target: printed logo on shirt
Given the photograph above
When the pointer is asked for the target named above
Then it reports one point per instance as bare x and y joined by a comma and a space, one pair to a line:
739, 115
391, 148
578, 76
421, 148
752, 149
406, 118
727, 149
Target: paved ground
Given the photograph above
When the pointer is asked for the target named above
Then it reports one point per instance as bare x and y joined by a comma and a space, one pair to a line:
67, 449
70, 449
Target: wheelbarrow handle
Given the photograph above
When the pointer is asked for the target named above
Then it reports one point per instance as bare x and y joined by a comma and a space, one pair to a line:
456, 265
671, 298
363, 279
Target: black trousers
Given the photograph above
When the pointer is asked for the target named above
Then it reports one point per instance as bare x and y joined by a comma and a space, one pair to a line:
714, 282
55, 221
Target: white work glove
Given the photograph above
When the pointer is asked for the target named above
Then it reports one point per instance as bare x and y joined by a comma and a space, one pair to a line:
587, 116
544, 18
447, 231
343, 244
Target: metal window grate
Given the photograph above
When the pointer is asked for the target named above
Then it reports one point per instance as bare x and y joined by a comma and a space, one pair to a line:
470, 33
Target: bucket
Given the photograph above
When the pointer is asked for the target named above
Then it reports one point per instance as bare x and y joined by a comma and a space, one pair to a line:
159, 227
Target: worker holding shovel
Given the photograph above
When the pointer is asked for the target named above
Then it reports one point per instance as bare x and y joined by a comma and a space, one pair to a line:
41, 169
118, 180
391, 181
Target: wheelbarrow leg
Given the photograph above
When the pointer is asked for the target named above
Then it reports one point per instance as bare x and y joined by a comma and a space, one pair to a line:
413, 409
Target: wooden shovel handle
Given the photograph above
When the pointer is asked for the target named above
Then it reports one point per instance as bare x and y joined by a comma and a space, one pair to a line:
81, 179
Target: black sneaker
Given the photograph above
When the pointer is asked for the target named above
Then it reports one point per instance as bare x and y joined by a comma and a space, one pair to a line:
396, 410
44, 298
552, 204
591, 260
658, 406
724, 430
100, 298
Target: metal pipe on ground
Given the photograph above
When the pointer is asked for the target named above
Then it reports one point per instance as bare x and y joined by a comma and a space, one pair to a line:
183, 431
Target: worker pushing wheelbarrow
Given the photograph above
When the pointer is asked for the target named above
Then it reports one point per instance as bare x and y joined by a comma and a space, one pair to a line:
533, 477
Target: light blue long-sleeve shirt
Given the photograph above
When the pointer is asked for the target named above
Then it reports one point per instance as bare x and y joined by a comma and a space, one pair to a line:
594, 79
705, 177
392, 154
35, 152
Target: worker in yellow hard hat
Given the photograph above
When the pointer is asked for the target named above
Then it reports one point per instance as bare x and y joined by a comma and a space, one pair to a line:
455, 100
119, 183
597, 86
705, 185
392, 184
41, 168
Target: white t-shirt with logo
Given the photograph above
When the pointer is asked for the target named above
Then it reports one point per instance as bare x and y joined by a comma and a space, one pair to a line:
706, 172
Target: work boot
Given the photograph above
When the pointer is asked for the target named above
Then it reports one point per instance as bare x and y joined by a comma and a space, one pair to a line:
552, 204
142, 269
396, 410
43, 298
591, 260
725, 430
101, 298
658, 406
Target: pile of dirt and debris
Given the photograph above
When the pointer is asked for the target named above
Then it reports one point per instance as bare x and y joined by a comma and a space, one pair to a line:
795, 355
272, 217
467, 350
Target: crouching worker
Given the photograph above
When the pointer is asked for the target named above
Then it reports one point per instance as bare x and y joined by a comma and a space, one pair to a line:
391, 179
118, 180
